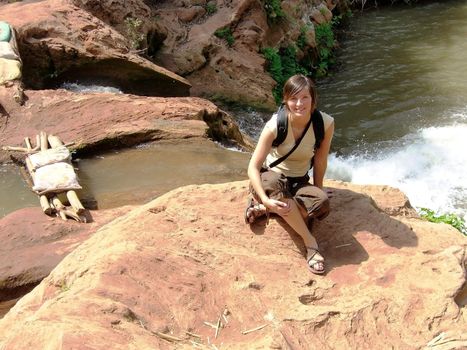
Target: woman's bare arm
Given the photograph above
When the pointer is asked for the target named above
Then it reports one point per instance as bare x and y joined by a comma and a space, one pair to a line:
256, 162
257, 159
321, 157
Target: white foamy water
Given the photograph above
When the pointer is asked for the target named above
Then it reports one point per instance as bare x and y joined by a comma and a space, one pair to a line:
75, 87
430, 167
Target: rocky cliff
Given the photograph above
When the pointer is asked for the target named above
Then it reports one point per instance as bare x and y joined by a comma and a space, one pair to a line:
222, 41
58, 41
183, 272
163, 48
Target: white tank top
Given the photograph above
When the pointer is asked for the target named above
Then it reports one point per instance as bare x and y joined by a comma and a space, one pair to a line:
298, 163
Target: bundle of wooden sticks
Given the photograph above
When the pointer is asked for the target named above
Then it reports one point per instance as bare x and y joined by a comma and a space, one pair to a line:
49, 197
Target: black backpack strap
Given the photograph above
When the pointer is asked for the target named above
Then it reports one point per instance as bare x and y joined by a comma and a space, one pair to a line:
318, 127
297, 143
282, 126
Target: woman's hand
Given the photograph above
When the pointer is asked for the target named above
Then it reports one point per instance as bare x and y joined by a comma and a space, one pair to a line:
278, 207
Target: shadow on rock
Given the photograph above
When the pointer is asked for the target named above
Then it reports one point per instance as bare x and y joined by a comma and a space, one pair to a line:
355, 229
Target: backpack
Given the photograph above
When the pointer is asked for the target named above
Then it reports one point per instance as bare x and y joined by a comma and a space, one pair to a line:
282, 126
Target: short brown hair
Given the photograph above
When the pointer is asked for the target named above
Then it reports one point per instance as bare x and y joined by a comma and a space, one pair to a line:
297, 83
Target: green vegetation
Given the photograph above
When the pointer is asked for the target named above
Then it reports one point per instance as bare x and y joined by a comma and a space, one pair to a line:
274, 68
282, 64
274, 10
211, 8
226, 34
450, 219
301, 41
133, 30
324, 44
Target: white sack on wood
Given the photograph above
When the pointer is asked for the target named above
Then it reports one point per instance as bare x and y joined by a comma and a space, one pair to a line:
7, 52
9, 70
55, 177
49, 156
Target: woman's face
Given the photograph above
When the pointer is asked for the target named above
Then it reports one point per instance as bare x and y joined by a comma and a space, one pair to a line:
299, 104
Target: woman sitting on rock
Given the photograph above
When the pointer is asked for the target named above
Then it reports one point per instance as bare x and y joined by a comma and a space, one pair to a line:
279, 181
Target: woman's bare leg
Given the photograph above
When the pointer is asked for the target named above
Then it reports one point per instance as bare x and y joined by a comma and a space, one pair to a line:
296, 220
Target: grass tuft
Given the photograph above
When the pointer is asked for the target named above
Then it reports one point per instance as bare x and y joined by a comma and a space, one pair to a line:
226, 34
448, 218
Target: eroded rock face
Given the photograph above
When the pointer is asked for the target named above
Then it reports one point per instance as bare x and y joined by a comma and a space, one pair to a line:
99, 41
100, 121
59, 42
236, 71
186, 257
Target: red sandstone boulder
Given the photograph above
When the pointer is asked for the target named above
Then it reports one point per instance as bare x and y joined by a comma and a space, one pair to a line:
34, 243
59, 41
169, 273
99, 121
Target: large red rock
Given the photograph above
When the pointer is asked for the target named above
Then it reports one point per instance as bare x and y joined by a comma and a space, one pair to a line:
34, 243
186, 261
99, 121
59, 41
99, 41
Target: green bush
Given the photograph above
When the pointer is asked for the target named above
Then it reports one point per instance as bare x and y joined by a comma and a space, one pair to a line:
290, 65
274, 10
450, 219
274, 63
274, 67
323, 11
133, 30
281, 65
301, 41
226, 34
211, 8
325, 42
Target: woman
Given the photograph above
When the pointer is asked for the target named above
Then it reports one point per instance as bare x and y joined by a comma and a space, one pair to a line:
284, 189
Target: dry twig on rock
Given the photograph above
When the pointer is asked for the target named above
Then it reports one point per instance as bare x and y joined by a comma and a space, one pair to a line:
343, 245
218, 327
19, 149
254, 329
193, 334
210, 324
167, 336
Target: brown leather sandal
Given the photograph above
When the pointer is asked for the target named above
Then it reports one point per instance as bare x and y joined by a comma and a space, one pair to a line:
253, 211
315, 264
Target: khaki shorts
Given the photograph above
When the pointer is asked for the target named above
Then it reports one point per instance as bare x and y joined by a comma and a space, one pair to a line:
311, 198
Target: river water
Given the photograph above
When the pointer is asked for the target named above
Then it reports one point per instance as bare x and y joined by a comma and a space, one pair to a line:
400, 104
399, 100
136, 175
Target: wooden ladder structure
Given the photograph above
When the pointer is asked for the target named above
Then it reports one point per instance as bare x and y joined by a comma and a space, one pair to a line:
50, 202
